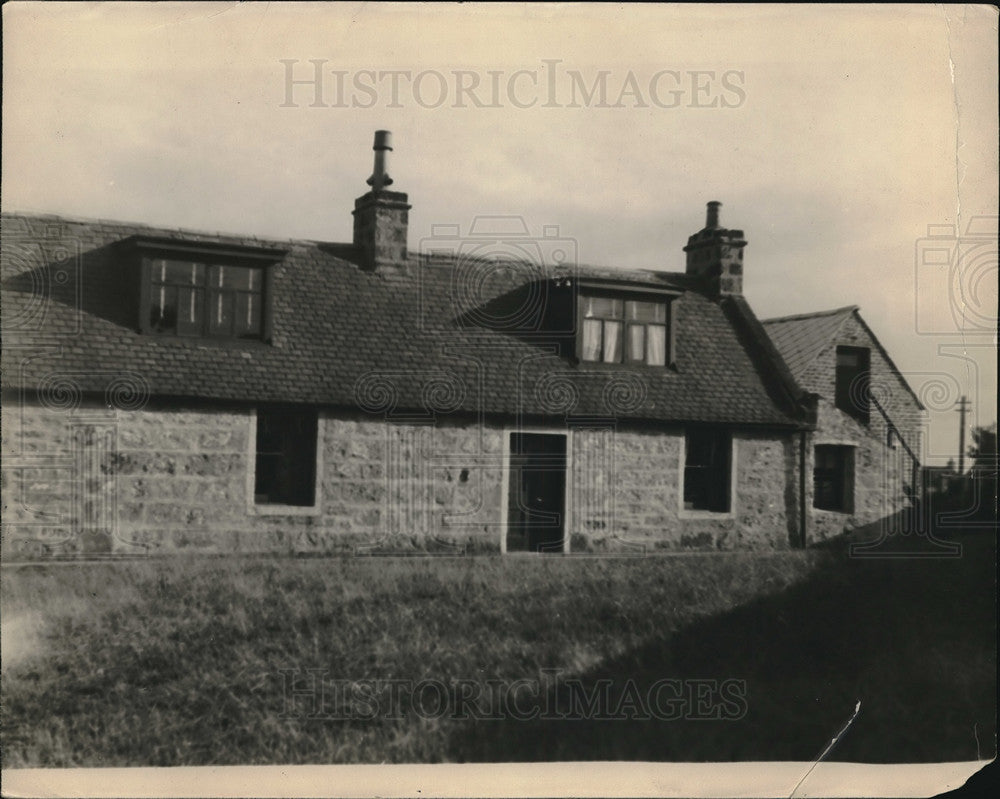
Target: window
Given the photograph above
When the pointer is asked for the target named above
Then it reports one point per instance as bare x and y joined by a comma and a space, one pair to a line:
616, 330
707, 457
285, 469
198, 288
188, 298
833, 478
851, 394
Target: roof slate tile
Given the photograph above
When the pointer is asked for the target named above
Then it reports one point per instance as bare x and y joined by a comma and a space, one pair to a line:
336, 327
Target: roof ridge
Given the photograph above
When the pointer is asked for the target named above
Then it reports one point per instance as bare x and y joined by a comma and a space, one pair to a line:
94, 220
813, 315
558, 269
430, 259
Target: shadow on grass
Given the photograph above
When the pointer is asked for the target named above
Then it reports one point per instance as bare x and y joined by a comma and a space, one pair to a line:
913, 640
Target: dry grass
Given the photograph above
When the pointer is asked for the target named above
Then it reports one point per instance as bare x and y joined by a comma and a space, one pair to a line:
179, 662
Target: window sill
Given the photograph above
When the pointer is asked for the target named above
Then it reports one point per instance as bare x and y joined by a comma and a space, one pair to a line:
283, 510
611, 367
706, 514
210, 342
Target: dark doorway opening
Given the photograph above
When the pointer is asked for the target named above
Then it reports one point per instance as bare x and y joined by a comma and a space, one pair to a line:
536, 499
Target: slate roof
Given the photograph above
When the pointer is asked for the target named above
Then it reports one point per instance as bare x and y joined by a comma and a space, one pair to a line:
801, 338
434, 338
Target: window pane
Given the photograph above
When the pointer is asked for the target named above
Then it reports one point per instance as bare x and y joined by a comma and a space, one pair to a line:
286, 457
189, 310
656, 345
241, 278
833, 477
851, 393
632, 310
646, 311
707, 471
612, 342
247, 314
636, 342
846, 357
591, 340
221, 310
604, 307
699, 449
183, 273
163, 313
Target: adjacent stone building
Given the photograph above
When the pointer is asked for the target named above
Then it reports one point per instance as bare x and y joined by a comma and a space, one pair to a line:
173, 391
865, 448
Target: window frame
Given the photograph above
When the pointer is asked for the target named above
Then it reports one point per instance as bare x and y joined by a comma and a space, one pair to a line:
274, 508
145, 250
206, 297
624, 296
843, 397
730, 478
846, 477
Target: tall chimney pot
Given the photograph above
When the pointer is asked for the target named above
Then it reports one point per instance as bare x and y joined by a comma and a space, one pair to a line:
382, 147
712, 215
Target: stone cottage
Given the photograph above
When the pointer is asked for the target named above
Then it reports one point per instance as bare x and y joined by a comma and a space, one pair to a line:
171, 391
864, 452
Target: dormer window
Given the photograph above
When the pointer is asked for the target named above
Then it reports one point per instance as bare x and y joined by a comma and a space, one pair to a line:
203, 290
622, 330
195, 299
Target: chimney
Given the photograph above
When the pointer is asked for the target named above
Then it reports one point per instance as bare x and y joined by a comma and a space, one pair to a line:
380, 216
716, 255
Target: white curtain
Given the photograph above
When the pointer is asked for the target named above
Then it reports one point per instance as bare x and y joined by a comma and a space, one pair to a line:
636, 342
612, 342
591, 340
656, 345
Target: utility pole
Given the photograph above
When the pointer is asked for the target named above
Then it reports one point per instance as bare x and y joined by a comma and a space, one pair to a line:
963, 407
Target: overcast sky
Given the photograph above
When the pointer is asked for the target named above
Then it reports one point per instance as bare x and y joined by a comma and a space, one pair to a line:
833, 136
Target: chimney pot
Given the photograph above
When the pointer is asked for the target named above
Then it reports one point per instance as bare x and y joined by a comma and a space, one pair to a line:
382, 147
381, 216
712, 215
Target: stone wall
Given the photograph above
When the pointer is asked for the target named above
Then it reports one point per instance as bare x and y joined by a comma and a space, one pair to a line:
644, 510
883, 473
163, 479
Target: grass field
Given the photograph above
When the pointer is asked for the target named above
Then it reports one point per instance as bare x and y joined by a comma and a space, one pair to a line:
190, 661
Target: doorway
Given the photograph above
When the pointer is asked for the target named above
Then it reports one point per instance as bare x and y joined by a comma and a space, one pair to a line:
536, 498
